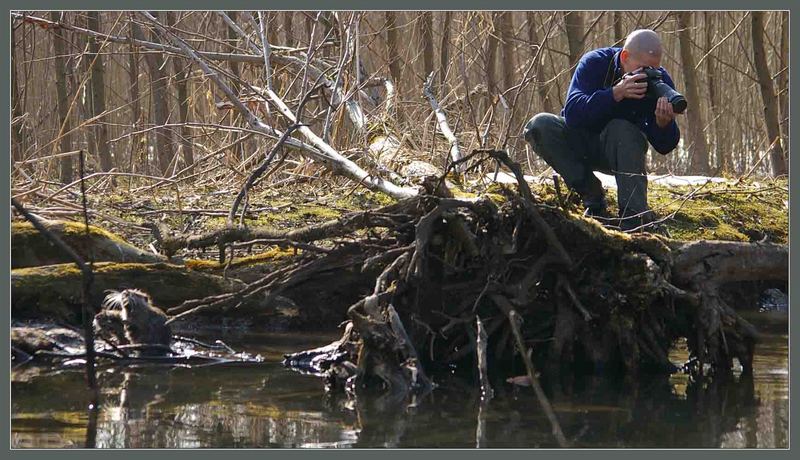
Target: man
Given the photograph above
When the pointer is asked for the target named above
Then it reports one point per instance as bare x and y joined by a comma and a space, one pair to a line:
605, 126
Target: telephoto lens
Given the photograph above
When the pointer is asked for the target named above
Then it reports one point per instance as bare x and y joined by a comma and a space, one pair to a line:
656, 88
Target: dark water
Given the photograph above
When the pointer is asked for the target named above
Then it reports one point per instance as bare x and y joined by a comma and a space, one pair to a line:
269, 406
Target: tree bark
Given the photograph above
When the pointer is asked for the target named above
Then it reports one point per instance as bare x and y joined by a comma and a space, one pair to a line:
233, 37
783, 81
135, 95
768, 96
506, 23
287, 28
16, 106
183, 71
573, 22
533, 40
619, 35
426, 41
491, 59
98, 95
392, 49
158, 94
720, 143
444, 52
698, 148
65, 142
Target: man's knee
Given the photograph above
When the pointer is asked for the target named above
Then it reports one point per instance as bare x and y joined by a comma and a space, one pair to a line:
626, 146
619, 130
541, 126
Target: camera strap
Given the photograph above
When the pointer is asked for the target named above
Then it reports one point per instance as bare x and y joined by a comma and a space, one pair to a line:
611, 74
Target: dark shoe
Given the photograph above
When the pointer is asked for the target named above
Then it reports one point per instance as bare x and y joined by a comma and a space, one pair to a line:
595, 205
644, 221
597, 212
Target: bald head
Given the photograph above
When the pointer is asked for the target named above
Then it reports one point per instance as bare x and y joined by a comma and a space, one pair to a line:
642, 43
642, 49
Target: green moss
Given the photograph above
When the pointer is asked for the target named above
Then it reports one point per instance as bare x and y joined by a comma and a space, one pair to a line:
67, 228
741, 212
54, 291
271, 255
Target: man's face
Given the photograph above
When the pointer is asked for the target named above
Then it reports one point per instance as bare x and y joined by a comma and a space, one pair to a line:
632, 61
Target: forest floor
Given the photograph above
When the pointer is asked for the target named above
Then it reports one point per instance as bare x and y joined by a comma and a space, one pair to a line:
731, 211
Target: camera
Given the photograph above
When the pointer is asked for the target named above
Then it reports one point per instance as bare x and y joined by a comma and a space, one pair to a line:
656, 88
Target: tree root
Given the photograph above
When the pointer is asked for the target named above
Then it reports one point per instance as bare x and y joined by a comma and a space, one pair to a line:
605, 301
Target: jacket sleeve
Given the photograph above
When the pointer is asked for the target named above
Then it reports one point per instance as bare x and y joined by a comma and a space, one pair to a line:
588, 103
665, 139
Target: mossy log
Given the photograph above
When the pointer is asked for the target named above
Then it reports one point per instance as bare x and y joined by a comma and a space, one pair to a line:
54, 291
29, 248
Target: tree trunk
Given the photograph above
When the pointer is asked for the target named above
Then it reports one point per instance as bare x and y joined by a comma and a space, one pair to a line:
233, 37
767, 96
506, 23
619, 35
698, 149
392, 49
573, 22
158, 94
183, 71
491, 58
16, 107
65, 142
720, 145
98, 95
783, 81
444, 52
533, 40
135, 94
426, 41
287, 28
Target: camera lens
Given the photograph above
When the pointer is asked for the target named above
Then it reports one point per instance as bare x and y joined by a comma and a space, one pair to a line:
678, 103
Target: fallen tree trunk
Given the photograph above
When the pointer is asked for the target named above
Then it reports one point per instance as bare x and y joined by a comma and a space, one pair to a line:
29, 248
54, 291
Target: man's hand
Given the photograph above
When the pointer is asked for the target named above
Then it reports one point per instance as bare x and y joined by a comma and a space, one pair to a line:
664, 113
630, 87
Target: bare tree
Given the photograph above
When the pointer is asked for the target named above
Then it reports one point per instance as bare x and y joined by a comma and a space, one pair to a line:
65, 140
426, 40
573, 22
98, 95
506, 23
697, 142
135, 95
444, 50
392, 47
767, 96
288, 16
16, 106
534, 41
783, 80
491, 58
182, 71
619, 35
712, 79
158, 95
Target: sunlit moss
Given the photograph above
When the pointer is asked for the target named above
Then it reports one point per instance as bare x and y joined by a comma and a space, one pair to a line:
270, 255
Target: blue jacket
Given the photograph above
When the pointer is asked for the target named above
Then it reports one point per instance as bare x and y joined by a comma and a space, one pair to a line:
590, 103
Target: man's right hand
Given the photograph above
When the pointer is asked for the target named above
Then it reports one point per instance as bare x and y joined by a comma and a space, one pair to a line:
630, 87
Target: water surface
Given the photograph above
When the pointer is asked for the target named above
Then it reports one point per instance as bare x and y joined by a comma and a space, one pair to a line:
269, 406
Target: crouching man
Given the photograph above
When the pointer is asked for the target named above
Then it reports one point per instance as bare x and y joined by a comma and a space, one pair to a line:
609, 117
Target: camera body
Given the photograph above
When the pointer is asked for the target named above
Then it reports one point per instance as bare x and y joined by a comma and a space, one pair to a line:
656, 88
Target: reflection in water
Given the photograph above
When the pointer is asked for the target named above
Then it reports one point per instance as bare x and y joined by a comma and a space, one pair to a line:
269, 406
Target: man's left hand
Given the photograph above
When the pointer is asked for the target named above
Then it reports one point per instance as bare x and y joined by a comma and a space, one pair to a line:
664, 113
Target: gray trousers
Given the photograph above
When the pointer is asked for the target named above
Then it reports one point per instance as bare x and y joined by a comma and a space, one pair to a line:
620, 149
